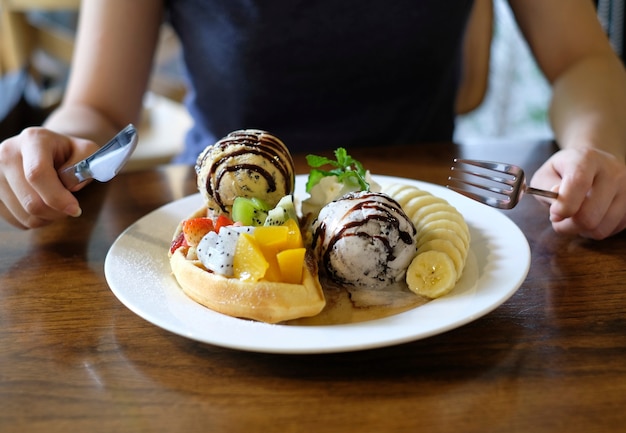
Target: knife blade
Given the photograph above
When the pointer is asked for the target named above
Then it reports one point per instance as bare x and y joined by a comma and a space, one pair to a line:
105, 163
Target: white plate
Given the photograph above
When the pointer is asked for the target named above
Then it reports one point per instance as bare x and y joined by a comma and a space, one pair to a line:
138, 272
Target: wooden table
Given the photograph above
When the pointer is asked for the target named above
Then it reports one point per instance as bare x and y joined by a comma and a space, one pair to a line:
73, 358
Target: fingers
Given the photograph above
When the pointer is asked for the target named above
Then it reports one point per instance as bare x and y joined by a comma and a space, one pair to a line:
43, 188
31, 193
598, 223
592, 193
12, 211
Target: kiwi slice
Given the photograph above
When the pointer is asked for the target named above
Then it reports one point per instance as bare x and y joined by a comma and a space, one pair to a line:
283, 211
249, 211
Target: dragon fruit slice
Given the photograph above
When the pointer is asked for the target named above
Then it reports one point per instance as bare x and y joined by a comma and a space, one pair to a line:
216, 251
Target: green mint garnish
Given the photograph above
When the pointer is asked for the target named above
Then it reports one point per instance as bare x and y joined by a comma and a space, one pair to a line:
347, 169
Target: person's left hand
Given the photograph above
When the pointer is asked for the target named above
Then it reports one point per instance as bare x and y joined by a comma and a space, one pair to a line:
592, 192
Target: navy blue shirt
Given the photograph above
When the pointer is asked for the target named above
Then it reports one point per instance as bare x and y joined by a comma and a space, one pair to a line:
320, 74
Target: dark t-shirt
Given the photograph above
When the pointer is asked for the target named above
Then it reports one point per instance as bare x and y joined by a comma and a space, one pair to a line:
321, 74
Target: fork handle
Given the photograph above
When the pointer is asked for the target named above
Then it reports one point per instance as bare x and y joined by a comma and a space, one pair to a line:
541, 192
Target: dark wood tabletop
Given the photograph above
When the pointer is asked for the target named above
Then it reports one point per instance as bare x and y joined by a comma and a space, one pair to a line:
74, 358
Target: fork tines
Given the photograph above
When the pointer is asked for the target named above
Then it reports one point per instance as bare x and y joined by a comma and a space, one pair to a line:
474, 178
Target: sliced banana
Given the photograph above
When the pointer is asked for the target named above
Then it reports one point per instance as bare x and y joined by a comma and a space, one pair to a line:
417, 204
420, 214
398, 190
442, 239
404, 196
394, 188
431, 274
445, 234
442, 215
448, 248
448, 225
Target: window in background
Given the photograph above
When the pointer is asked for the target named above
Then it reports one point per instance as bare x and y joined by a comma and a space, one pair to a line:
517, 98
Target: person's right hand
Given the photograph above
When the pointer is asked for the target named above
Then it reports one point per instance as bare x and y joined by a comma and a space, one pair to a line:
31, 193
592, 192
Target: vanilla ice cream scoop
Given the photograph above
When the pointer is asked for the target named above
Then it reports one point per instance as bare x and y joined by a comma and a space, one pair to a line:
246, 163
364, 240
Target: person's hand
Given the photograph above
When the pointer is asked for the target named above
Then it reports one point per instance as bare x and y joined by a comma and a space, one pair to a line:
592, 192
31, 194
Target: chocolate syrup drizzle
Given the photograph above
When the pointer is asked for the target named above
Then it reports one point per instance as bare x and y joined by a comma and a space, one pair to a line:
257, 143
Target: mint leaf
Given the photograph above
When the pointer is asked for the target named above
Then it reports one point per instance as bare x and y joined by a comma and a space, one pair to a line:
314, 177
343, 159
316, 161
347, 169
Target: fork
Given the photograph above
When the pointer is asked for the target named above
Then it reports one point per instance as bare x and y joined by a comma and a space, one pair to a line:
505, 184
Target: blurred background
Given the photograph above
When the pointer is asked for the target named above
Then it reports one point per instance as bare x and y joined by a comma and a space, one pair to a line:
516, 100
35, 48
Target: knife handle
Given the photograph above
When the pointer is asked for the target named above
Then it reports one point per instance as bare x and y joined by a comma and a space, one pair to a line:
75, 174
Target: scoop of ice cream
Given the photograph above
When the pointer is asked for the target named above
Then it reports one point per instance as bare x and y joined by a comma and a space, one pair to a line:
246, 163
364, 240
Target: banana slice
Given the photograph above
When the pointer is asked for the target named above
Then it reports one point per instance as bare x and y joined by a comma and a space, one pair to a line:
442, 239
431, 274
420, 214
442, 215
394, 188
447, 225
404, 193
416, 205
446, 234
448, 248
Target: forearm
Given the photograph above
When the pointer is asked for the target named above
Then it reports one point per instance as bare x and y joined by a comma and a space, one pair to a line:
589, 105
82, 121
112, 63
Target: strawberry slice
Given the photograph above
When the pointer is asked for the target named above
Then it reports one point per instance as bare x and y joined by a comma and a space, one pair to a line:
178, 242
222, 221
194, 229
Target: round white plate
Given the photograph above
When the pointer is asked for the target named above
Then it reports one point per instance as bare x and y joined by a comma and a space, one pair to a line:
138, 272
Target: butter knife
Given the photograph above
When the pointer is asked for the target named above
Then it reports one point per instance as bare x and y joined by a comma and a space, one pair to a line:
105, 163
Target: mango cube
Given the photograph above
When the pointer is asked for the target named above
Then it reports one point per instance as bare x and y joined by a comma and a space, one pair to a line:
294, 238
273, 270
272, 237
272, 253
249, 262
290, 263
